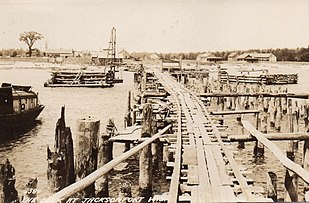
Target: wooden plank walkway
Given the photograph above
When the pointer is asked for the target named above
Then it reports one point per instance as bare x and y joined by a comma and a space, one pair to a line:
212, 174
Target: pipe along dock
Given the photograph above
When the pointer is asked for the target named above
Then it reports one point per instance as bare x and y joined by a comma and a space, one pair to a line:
173, 129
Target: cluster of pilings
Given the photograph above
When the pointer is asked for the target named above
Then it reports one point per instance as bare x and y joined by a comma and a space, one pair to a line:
279, 115
92, 150
8, 193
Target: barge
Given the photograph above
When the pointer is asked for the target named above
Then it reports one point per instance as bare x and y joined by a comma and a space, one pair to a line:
259, 77
81, 78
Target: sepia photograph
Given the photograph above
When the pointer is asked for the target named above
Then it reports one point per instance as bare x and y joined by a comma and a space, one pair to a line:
122, 101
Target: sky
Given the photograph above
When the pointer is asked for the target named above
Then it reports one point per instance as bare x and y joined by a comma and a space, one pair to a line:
157, 25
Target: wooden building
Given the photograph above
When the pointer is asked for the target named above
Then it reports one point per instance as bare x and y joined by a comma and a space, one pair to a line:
64, 53
233, 56
208, 57
255, 57
104, 57
170, 66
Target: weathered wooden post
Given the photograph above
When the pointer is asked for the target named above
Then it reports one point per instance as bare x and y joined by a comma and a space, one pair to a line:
278, 117
87, 151
145, 161
134, 111
272, 186
128, 121
241, 144
259, 147
103, 158
60, 172
290, 181
110, 130
290, 144
306, 162
306, 116
271, 113
8, 193
157, 150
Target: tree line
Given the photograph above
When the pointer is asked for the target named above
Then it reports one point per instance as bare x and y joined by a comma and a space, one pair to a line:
282, 54
299, 54
285, 54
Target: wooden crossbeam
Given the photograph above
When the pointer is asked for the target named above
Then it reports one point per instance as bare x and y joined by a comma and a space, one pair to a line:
234, 112
302, 173
264, 94
270, 136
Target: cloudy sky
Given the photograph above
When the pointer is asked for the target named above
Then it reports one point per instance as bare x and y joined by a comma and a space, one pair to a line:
157, 25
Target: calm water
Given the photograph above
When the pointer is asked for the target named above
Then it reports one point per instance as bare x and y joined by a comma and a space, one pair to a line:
28, 153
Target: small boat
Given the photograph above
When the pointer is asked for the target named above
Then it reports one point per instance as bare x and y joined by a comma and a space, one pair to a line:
19, 107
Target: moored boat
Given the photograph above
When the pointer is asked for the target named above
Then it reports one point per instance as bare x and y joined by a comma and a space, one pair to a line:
19, 107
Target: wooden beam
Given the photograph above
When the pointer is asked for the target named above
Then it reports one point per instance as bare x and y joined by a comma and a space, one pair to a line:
234, 112
270, 136
264, 94
174, 185
302, 173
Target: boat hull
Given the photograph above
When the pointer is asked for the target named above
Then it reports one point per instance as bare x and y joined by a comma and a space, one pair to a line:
19, 120
78, 85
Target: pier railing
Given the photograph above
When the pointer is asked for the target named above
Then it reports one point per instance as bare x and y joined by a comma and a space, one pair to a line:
70, 190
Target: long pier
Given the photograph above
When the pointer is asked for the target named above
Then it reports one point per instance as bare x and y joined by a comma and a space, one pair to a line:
190, 146
207, 160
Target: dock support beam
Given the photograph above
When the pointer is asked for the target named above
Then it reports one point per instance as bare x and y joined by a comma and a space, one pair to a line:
272, 186
60, 172
103, 158
8, 193
128, 121
145, 161
87, 151
291, 179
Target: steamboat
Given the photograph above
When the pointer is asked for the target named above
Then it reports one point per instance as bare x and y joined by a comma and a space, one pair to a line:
19, 107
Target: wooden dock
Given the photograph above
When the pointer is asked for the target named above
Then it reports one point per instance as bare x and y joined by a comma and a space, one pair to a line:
203, 163
199, 162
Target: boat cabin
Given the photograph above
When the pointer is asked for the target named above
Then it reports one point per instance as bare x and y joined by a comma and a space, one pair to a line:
16, 99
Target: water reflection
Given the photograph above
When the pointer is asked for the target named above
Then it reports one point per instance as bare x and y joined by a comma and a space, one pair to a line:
16, 133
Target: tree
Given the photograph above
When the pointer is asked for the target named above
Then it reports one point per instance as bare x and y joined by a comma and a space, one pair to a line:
29, 38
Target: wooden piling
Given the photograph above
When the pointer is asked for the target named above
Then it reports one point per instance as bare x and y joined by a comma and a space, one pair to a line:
8, 193
156, 152
241, 144
290, 145
103, 158
291, 187
306, 162
60, 171
272, 186
259, 147
128, 121
110, 130
145, 161
87, 151
291, 179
